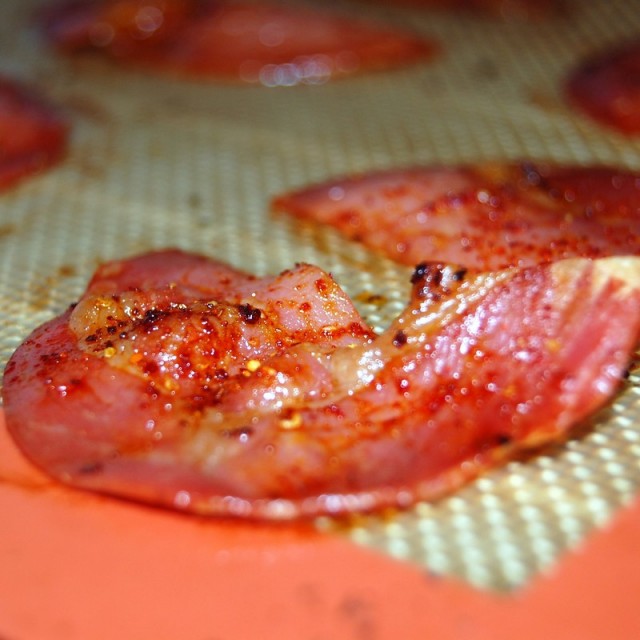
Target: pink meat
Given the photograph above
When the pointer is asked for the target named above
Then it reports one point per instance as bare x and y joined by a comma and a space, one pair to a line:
606, 87
119, 395
33, 134
270, 43
484, 217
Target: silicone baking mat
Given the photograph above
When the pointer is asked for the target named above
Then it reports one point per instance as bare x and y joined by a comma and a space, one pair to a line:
157, 162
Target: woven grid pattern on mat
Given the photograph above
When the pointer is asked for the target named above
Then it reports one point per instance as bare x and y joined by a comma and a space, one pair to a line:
157, 162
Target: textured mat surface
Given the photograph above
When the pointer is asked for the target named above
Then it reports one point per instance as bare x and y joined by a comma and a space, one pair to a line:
157, 162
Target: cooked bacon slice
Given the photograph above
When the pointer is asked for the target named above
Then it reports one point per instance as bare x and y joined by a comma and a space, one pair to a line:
269, 43
606, 87
73, 25
273, 399
505, 9
33, 133
484, 217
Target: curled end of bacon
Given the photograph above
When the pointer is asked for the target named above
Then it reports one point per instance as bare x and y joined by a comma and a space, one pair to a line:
180, 382
267, 43
33, 132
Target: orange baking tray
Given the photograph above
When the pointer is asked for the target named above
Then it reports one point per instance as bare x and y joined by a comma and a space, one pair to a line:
80, 566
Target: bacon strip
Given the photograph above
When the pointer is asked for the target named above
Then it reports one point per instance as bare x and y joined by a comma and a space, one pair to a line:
484, 217
255, 403
505, 9
605, 87
268, 43
33, 134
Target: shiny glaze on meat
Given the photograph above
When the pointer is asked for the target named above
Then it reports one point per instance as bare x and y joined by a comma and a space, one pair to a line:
270, 398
